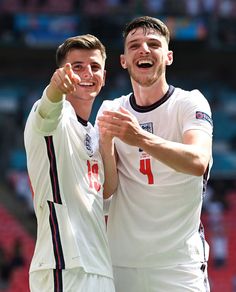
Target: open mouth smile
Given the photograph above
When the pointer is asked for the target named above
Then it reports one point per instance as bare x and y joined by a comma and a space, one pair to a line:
86, 84
145, 63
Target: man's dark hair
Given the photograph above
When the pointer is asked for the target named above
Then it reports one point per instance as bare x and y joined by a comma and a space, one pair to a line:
84, 42
147, 23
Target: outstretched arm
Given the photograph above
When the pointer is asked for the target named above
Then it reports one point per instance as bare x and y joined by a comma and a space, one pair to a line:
191, 157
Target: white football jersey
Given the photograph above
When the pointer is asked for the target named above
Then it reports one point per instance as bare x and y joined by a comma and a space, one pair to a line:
67, 175
154, 216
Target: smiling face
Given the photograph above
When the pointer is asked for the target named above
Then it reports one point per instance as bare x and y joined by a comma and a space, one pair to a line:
89, 65
146, 56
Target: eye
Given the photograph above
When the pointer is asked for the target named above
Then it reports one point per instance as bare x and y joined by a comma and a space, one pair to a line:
154, 45
133, 46
96, 67
77, 68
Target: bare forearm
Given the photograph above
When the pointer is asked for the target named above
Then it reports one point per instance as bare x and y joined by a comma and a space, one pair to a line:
187, 158
111, 176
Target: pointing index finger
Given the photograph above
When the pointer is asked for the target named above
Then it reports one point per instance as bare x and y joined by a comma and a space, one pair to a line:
68, 70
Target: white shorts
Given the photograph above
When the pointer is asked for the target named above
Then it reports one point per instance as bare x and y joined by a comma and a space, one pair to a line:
73, 280
187, 278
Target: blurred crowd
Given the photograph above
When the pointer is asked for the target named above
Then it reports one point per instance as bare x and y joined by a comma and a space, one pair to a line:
223, 8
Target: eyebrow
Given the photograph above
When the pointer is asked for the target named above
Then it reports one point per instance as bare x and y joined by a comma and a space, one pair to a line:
137, 40
77, 62
81, 62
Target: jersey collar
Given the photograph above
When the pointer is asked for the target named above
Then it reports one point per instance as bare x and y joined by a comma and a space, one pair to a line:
82, 121
143, 109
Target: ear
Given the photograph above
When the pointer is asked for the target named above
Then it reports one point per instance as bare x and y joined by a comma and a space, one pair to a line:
123, 62
104, 77
169, 59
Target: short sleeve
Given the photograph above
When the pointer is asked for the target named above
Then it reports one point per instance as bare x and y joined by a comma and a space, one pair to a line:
196, 113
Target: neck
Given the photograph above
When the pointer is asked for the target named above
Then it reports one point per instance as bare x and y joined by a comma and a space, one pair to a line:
82, 108
148, 95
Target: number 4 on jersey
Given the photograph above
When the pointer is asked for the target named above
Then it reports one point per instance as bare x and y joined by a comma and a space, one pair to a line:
93, 176
145, 168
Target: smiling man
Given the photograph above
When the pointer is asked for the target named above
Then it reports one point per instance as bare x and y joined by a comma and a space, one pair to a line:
156, 144
66, 174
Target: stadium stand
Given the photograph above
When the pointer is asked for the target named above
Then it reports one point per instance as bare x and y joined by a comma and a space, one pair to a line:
222, 277
12, 232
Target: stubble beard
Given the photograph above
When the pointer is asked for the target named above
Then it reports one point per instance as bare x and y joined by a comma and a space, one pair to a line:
146, 80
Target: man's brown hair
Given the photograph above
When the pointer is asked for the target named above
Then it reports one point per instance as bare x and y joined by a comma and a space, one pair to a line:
147, 22
82, 42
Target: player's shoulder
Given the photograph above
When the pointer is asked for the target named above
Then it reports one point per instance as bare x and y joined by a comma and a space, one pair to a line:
183, 93
190, 96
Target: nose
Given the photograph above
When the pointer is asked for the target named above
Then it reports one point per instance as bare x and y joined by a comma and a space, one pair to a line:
87, 72
144, 48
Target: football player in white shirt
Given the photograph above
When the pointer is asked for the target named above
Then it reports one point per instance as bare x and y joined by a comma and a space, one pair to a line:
156, 167
66, 174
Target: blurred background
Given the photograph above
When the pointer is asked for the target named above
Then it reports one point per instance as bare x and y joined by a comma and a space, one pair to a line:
204, 45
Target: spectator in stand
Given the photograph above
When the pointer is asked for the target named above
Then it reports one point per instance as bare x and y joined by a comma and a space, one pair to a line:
5, 269
234, 283
153, 6
219, 245
94, 8
17, 257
